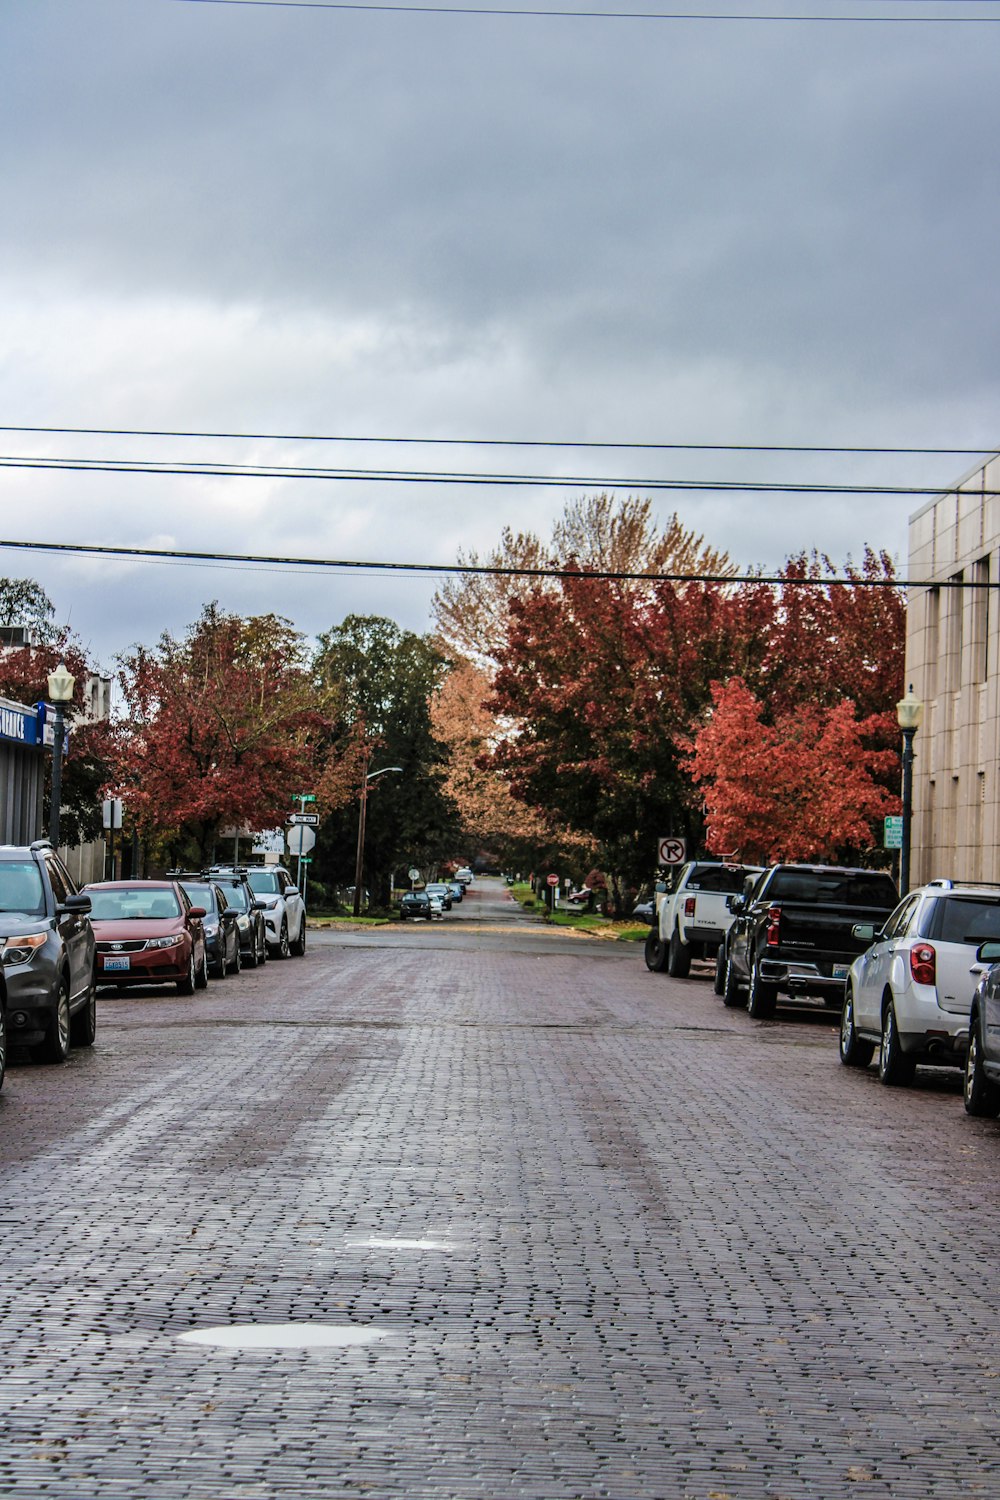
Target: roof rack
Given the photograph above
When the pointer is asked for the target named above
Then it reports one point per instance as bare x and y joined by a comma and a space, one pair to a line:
41, 844
944, 884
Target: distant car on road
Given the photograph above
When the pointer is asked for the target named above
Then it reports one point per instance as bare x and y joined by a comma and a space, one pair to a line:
47, 994
415, 904
222, 935
284, 909
457, 889
249, 912
442, 891
148, 932
464, 876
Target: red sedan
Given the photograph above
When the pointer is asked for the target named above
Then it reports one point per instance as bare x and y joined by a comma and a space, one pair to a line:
148, 932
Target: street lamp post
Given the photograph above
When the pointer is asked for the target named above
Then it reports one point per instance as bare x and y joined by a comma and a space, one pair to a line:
909, 711
60, 695
359, 863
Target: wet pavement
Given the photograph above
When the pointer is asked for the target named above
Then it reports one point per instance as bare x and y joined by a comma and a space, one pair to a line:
493, 1212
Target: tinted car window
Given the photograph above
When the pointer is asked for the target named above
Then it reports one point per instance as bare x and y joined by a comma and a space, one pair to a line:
965, 919
716, 878
835, 888
264, 881
59, 888
899, 920
201, 895
237, 898
21, 887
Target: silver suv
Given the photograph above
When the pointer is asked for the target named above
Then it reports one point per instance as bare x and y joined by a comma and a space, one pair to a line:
909, 994
284, 909
48, 998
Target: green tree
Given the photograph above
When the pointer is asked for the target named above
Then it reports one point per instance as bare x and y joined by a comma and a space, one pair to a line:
382, 679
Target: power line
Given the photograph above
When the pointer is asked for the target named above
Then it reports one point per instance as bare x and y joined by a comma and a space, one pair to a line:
462, 442
171, 554
193, 469
611, 15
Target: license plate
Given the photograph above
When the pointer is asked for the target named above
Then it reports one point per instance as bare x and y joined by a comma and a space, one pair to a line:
840, 971
123, 962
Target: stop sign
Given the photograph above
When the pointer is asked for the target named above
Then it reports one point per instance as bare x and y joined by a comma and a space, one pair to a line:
300, 839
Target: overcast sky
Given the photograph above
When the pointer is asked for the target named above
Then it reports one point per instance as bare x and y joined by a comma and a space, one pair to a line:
238, 218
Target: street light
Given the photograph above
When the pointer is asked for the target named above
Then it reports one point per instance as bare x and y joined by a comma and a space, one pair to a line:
360, 861
60, 695
909, 711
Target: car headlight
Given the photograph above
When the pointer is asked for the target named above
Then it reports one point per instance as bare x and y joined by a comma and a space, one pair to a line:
21, 949
165, 942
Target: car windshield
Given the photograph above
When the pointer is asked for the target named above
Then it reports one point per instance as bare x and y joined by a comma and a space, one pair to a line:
264, 881
964, 919
237, 897
201, 895
133, 904
21, 888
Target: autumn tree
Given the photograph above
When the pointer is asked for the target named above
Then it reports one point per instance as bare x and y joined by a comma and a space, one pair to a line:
802, 786
222, 727
596, 533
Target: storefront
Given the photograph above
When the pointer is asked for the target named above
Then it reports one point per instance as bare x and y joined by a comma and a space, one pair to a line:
22, 772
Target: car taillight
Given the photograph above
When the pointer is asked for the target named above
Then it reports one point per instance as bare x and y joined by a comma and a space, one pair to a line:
689, 907
773, 925
923, 964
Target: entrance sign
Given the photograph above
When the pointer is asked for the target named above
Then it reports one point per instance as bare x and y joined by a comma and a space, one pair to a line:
671, 851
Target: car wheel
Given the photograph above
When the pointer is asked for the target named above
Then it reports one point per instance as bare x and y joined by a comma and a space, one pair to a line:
719, 983
894, 1067
250, 958
3, 1042
763, 997
678, 957
220, 970
262, 947
281, 948
732, 995
201, 978
854, 1052
655, 953
83, 1026
299, 946
186, 986
981, 1095
55, 1047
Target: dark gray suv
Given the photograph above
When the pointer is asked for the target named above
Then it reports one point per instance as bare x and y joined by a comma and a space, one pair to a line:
47, 992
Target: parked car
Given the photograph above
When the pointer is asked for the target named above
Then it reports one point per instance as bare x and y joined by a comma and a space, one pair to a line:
437, 905
981, 1092
910, 993
249, 912
443, 891
415, 904
797, 932
464, 875
148, 932
693, 917
457, 890
47, 993
284, 909
222, 935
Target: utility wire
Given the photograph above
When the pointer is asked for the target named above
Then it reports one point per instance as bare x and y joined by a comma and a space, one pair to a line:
609, 15
485, 569
314, 437
180, 469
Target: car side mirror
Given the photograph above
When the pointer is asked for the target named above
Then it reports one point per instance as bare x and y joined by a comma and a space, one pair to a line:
735, 904
661, 887
259, 905
230, 914
864, 932
988, 953
197, 911
79, 904
291, 890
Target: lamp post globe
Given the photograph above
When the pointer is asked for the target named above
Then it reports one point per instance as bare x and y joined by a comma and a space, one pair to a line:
60, 684
909, 712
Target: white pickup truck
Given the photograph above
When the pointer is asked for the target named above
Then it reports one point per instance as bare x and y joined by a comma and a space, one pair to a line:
692, 917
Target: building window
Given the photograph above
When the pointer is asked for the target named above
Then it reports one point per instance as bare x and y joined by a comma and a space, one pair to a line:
980, 618
956, 610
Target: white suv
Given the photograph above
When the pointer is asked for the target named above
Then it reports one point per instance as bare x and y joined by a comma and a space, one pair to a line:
284, 909
910, 993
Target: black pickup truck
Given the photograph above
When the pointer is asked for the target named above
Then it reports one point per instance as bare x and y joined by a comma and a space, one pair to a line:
792, 932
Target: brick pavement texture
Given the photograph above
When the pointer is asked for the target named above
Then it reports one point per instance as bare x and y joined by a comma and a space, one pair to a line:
619, 1242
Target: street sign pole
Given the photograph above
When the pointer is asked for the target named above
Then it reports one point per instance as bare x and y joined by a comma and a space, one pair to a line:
303, 875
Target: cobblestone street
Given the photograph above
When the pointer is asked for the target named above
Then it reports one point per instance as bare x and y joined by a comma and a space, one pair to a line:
573, 1230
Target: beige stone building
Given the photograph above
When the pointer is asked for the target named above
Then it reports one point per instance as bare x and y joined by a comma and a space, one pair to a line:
953, 662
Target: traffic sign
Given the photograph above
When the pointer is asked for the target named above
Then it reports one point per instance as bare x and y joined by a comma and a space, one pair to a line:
671, 851
305, 859
299, 839
552, 880
304, 797
311, 820
893, 837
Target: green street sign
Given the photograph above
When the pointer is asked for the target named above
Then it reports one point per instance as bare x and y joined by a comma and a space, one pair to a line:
305, 859
304, 797
893, 838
